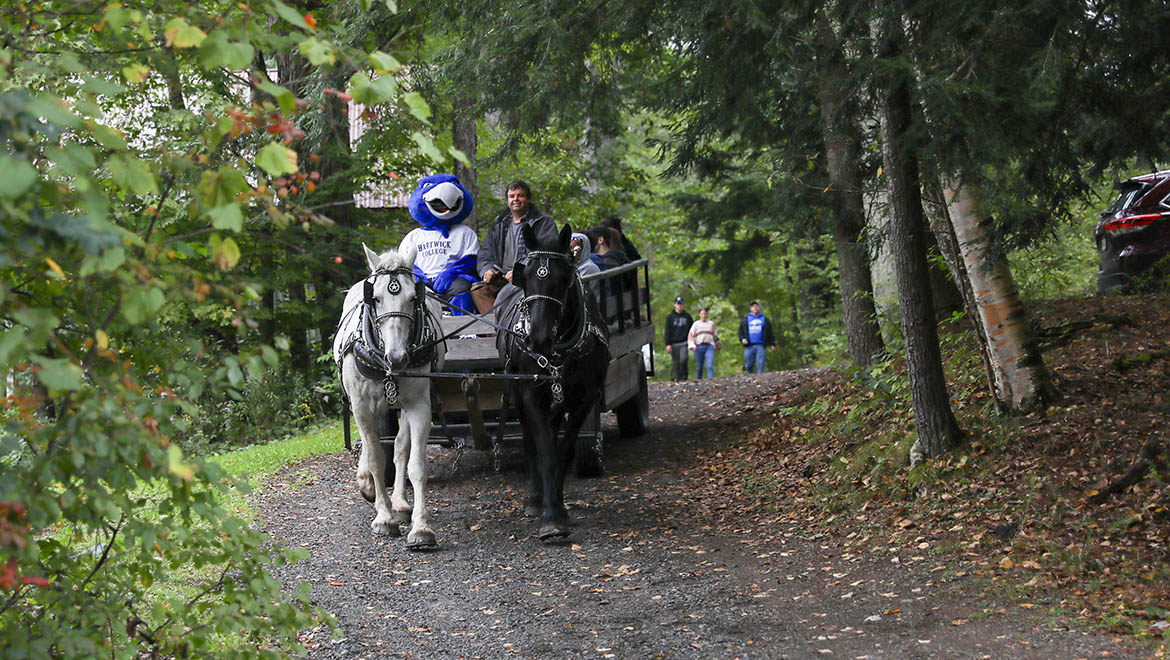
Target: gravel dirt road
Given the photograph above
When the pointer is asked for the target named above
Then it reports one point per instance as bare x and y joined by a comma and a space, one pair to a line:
653, 569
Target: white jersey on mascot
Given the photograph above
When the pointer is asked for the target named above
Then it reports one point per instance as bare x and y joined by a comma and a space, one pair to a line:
436, 252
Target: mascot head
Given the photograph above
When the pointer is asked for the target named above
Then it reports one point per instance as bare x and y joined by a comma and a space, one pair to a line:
439, 202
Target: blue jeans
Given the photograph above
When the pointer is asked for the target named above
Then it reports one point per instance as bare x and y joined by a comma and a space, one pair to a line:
753, 356
704, 356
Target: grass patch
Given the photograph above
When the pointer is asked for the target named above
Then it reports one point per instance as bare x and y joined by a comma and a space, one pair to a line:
254, 464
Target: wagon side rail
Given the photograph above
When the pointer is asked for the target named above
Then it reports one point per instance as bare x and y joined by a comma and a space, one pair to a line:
624, 302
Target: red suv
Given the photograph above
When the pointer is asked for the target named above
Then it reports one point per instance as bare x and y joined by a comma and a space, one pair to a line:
1133, 236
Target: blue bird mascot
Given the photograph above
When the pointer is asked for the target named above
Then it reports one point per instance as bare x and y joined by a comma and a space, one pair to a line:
446, 248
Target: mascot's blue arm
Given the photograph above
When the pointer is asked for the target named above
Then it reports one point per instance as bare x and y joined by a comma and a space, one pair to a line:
463, 268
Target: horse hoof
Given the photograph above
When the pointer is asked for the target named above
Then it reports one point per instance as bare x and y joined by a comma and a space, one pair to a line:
385, 528
421, 540
403, 517
531, 510
366, 488
550, 531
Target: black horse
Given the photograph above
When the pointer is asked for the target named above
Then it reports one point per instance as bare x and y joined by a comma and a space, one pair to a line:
568, 345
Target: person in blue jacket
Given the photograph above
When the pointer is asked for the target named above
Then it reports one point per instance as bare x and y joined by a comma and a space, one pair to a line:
755, 332
446, 248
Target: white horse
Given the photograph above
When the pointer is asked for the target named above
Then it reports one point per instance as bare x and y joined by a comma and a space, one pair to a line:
386, 327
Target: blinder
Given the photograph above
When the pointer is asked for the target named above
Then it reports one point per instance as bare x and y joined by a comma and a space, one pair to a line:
420, 347
538, 267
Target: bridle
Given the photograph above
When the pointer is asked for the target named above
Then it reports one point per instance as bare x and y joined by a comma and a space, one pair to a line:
417, 316
562, 351
540, 258
368, 347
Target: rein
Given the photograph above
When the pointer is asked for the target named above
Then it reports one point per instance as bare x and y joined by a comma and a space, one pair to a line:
576, 345
420, 347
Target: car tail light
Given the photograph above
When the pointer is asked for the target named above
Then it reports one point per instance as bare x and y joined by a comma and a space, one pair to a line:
1131, 223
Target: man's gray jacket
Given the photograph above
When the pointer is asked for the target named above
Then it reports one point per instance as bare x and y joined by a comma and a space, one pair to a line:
494, 247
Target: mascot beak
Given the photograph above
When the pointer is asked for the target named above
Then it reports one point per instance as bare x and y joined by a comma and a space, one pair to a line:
439, 206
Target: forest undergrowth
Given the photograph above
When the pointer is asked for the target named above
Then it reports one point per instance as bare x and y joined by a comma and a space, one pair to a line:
1066, 510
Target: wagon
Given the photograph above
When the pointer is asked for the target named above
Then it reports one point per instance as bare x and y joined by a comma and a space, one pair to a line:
470, 397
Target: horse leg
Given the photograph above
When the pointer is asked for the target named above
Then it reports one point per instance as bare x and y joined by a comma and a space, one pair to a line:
398, 503
566, 448
365, 478
535, 499
421, 537
372, 470
552, 523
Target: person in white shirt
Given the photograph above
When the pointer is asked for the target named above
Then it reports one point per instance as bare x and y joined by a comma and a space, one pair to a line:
704, 340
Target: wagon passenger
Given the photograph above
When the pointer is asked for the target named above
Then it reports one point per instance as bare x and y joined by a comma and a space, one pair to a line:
503, 247
580, 247
607, 248
614, 222
446, 248
607, 253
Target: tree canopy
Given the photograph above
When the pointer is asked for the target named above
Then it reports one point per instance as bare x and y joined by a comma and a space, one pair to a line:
152, 165
176, 209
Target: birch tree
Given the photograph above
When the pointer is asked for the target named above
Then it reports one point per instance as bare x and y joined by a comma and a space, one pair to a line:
1020, 380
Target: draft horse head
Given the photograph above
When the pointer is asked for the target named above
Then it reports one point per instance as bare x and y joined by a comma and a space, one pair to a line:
396, 306
548, 280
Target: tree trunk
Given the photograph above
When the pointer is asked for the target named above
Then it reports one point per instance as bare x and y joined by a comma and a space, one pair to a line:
842, 145
938, 432
169, 68
944, 289
298, 333
1019, 378
944, 233
465, 139
268, 326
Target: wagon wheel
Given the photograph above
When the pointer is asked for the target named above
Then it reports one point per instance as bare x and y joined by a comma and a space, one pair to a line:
587, 453
633, 415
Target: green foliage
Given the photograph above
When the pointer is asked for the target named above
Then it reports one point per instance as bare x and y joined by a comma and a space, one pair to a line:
274, 405
1063, 266
138, 218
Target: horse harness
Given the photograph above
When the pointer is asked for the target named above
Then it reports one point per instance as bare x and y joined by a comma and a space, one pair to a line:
574, 347
366, 343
